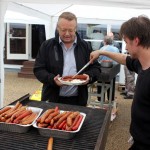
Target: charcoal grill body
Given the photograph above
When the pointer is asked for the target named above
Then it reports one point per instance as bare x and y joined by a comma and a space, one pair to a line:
106, 82
92, 136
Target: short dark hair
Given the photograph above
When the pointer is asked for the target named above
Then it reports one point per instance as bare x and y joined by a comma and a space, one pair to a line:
137, 27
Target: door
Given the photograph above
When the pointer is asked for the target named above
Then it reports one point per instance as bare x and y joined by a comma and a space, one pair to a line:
17, 41
38, 36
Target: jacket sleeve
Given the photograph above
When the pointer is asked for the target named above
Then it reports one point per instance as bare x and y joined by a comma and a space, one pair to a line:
41, 67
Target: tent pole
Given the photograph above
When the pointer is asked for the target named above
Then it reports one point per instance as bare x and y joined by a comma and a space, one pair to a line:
3, 8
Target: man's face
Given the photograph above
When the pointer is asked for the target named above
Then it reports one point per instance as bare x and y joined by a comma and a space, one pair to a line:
66, 30
131, 47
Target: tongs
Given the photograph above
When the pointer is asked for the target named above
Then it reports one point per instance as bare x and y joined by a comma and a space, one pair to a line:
82, 69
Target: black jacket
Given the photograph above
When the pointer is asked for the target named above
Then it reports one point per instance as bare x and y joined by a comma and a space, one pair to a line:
49, 63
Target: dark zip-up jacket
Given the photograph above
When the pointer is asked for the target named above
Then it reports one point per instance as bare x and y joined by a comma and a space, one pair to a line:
49, 63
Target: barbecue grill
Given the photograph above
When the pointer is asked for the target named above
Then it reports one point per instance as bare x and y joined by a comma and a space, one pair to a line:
92, 135
105, 80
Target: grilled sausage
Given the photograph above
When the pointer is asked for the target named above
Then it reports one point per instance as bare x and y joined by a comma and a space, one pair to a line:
30, 119
70, 78
76, 126
71, 117
4, 110
42, 125
24, 114
45, 115
59, 116
51, 116
81, 77
56, 125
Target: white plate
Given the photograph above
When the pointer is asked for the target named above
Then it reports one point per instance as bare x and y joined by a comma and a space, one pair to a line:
73, 82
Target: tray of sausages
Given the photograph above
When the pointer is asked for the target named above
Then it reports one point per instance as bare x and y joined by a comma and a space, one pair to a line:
59, 123
18, 118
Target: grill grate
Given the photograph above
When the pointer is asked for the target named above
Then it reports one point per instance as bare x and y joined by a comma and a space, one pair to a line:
86, 139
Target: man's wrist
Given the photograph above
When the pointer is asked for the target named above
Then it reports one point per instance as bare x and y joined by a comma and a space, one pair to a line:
100, 52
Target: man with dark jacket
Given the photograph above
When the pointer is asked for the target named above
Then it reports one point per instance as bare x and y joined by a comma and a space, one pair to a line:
64, 55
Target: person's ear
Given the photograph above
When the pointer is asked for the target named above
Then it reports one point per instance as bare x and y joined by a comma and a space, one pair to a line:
57, 27
137, 41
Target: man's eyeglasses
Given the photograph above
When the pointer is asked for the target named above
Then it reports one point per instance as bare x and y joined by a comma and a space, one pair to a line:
67, 30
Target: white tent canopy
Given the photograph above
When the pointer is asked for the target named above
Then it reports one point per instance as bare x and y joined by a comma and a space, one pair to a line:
90, 11
46, 11
108, 9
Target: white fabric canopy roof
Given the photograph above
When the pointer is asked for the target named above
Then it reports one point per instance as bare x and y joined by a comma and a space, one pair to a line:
90, 11
97, 9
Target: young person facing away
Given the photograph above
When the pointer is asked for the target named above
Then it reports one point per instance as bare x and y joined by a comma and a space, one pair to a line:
64, 55
136, 34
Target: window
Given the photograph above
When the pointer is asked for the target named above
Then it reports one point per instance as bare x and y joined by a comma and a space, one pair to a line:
94, 33
118, 41
17, 36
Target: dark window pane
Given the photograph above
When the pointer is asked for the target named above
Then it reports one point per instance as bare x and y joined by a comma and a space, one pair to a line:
17, 30
17, 46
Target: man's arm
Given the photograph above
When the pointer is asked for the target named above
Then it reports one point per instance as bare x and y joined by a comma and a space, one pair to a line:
118, 57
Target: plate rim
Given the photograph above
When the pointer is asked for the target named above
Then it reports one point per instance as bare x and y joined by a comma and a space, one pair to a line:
69, 83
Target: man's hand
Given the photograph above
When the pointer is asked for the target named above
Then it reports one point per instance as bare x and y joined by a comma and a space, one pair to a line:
57, 81
94, 55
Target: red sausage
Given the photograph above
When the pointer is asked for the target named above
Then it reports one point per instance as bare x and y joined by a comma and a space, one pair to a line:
76, 126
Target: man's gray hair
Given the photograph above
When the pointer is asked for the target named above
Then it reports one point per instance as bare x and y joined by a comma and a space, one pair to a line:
108, 40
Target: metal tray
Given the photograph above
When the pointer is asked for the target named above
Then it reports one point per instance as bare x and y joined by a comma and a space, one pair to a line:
18, 127
59, 133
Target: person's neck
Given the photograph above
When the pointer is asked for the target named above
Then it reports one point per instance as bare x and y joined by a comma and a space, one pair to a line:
68, 45
144, 59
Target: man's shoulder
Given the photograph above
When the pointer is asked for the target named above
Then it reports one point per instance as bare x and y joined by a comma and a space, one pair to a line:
81, 41
113, 48
109, 48
133, 64
49, 41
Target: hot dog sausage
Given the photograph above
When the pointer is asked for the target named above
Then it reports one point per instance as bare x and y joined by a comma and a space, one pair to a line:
4, 110
51, 116
30, 119
75, 127
61, 119
46, 114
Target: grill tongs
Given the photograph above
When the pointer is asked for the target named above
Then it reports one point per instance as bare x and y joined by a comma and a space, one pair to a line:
82, 69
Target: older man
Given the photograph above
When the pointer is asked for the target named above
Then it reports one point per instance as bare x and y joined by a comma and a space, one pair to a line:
63, 55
